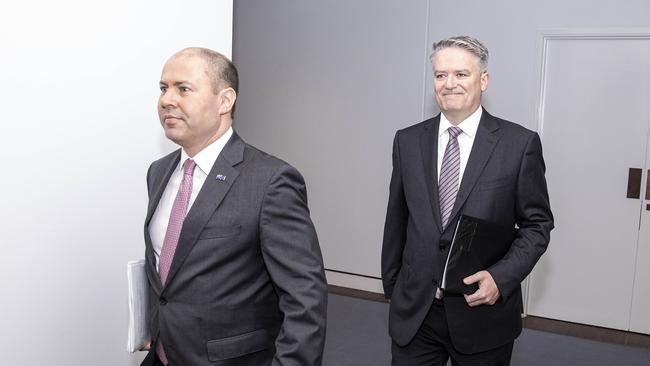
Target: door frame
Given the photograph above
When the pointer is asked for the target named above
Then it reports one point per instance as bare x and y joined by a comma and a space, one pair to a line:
544, 37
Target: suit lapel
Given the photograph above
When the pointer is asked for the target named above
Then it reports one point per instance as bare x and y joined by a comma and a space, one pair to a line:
486, 139
212, 193
158, 189
429, 151
161, 184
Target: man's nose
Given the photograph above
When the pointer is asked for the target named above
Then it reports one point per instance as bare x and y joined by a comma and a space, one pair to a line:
167, 100
450, 82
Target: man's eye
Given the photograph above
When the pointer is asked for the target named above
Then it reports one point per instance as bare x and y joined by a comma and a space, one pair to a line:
462, 75
184, 89
163, 89
440, 76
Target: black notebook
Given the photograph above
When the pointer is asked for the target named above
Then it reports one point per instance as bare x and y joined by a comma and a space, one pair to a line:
477, 244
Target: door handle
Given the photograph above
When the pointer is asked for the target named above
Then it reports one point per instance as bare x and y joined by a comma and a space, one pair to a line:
647, 186
634, 183
647, 190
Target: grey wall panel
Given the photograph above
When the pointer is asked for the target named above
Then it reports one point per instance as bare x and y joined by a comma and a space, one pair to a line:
324, 85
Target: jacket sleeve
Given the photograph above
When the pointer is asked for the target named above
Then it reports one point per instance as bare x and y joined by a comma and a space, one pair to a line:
533, 217
293, 259
394, 227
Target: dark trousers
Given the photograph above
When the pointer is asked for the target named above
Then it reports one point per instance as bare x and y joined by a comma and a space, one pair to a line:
157, 362
432, 346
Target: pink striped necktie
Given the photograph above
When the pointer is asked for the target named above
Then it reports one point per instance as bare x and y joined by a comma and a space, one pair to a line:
179, 210
449, 175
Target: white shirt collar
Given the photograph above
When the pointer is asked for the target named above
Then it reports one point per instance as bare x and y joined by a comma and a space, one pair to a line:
205, 158
469, 125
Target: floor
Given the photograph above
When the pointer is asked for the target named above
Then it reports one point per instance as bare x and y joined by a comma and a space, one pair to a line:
357, 335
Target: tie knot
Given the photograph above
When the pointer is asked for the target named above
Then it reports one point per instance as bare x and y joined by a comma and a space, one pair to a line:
188, 167
454, 132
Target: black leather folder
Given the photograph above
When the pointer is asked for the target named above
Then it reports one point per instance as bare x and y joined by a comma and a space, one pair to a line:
477, 244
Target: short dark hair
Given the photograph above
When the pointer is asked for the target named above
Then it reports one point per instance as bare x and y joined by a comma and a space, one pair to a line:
219, 68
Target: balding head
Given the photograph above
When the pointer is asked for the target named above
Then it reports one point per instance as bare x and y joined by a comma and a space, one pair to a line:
221, 71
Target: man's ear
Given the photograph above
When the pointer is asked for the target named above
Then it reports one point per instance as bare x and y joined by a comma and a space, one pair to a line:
485, 77
227, 97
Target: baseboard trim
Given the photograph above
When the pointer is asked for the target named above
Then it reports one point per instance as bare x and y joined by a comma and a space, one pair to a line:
534, 322
354, 281
587, 331
359, 294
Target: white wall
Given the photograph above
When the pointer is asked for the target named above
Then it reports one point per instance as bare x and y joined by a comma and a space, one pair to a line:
79, 84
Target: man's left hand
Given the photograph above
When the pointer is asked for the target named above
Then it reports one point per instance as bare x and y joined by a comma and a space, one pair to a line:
487, 293
146, 347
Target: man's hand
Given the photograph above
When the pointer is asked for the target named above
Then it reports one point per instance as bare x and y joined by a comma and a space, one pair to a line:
487, 293
146, 347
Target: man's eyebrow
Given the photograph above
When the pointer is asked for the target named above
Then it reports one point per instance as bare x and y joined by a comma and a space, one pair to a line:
176, 83
457, 70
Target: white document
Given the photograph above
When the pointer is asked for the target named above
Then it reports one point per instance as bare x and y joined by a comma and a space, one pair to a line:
138, 335
443, 283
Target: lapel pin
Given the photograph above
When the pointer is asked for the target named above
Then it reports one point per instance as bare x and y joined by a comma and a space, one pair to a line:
221, 177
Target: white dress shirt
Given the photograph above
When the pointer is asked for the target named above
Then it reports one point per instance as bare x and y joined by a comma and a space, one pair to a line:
465, 139
204, 161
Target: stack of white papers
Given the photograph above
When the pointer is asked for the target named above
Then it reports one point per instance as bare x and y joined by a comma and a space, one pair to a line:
138, 335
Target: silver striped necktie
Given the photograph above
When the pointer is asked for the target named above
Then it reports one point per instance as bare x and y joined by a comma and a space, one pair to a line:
449, 175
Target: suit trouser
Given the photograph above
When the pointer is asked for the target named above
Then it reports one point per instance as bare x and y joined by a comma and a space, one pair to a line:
152, 360
432, 346
157, 362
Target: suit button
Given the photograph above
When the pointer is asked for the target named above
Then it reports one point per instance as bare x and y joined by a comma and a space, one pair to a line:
163, 301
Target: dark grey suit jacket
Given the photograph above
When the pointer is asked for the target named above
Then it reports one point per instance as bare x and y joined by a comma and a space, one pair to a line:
246, 285
504, 183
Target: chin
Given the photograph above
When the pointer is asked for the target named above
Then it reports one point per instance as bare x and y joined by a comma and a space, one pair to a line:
451, 109
173, 136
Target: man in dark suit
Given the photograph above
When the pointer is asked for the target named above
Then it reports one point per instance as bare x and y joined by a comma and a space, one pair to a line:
462, 161
232, 257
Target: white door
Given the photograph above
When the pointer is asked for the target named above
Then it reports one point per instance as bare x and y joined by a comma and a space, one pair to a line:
595, 121
640, 313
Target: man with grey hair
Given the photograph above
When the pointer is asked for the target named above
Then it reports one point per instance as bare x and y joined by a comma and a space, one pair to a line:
232, 258
463, 161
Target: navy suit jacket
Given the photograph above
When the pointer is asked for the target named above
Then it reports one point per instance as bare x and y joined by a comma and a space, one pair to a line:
504, 183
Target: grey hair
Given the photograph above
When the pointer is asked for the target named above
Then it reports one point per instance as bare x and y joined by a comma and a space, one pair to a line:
471, 44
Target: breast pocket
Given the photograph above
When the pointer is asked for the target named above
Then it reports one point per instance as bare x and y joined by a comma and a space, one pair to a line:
213, 232
238, 346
